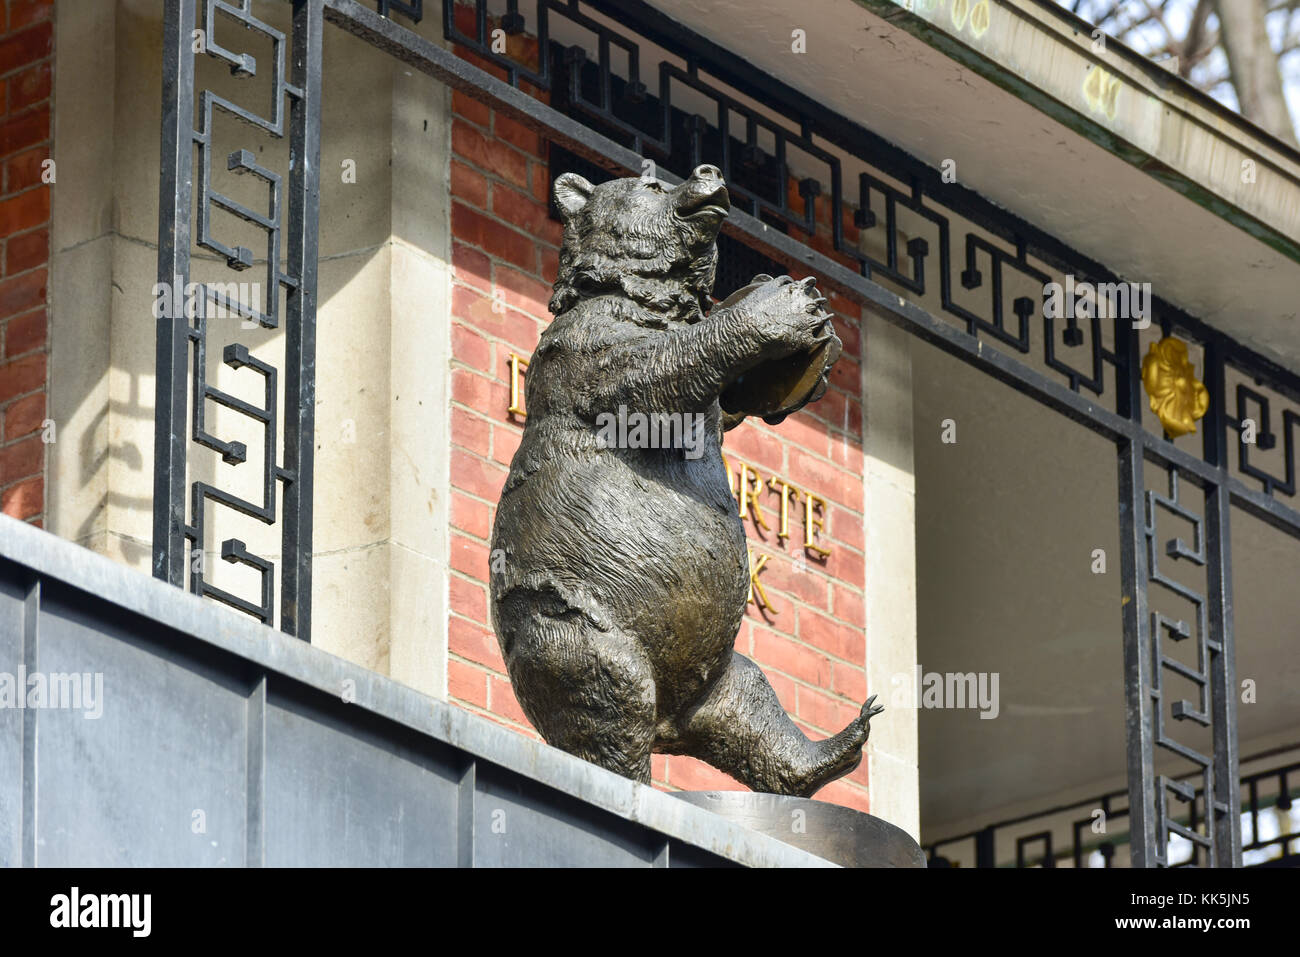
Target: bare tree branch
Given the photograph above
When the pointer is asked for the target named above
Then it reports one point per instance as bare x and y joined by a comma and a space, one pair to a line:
1237, 28
1253, 65
1195, 35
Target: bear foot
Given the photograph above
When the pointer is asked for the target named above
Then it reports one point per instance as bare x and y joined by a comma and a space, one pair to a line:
841, 754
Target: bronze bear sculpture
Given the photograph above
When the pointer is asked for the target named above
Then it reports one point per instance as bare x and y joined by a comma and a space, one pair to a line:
620, 571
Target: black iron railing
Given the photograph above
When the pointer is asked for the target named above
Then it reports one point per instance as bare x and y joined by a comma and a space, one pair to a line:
1093, 832
288, 222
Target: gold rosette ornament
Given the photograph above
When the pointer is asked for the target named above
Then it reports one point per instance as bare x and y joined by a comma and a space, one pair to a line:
1177, 396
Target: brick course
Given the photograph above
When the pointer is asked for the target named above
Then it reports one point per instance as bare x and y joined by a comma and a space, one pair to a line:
26, 68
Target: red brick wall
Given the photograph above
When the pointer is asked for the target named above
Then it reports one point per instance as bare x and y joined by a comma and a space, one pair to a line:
811, 643
26, 65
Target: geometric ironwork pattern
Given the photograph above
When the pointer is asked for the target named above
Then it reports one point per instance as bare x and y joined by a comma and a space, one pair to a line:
239, 258
1278, 783
413, 10
1166, 629
757, 178
226, 28
1255, 406
1083, 844
1043, 838
631, 95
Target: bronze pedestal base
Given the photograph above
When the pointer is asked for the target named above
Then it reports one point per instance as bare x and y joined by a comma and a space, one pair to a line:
839, 834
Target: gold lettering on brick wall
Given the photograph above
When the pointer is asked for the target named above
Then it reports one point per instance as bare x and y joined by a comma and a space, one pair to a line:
517, 366
812, 523
751, 486
746, 487
756, 593
747, 484
783, 529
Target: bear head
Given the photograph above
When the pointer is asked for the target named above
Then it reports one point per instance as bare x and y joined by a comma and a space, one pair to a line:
637, 238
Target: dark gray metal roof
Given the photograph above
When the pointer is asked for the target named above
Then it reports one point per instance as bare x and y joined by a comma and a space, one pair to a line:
224, 742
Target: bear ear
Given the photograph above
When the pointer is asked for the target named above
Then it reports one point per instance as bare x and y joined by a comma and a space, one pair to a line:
571, 194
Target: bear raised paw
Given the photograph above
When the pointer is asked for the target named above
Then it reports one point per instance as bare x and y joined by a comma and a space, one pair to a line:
620, 570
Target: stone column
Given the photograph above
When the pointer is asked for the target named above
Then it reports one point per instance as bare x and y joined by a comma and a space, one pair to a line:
380, 504
890, 518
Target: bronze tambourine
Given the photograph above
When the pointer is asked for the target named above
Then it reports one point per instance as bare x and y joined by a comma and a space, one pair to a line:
778, 387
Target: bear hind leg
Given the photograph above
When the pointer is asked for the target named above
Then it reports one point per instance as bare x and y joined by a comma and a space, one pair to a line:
741, 728
587, 691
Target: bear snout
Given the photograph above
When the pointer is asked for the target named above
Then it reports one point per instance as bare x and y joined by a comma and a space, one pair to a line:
704, 193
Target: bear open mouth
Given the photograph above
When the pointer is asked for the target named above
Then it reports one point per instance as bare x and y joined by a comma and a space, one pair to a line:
716, 203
